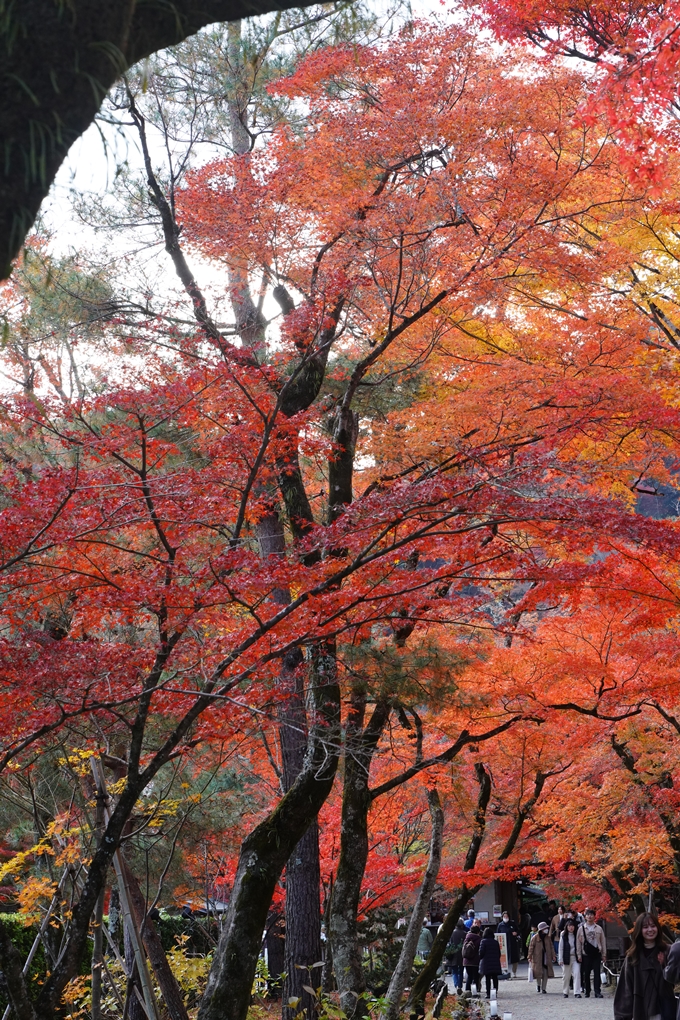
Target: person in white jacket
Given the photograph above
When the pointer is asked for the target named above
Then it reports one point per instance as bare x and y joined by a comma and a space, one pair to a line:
568, 961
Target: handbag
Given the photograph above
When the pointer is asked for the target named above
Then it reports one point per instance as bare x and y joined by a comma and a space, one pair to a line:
589, 950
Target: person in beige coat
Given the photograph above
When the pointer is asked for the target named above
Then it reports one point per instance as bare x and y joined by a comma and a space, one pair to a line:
591, 950
541, 955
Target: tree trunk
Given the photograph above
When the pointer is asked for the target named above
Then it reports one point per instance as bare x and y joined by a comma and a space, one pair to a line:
167, 982
356, 801
135, 1010
303, 925
265, 851
12, 966
59, 60
441, 941
98, 958
274, 943
429, 972
303, 875
402, 971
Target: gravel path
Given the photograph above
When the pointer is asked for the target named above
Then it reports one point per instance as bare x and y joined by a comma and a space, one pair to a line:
519, 997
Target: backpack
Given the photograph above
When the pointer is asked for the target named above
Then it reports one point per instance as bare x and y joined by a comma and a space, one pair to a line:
469, 949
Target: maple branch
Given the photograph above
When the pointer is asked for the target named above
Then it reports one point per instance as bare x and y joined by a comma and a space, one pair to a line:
28, 548
571, 706
525, 810
139, 725
670, 719
64, 716
171, 233
363, 366
301, 388
479, 828
446, 756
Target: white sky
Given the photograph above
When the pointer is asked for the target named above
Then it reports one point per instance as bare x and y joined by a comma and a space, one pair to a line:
90, 165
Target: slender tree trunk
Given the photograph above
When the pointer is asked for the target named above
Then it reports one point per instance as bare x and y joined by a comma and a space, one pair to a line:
441, 940
356, 800
167, 982
265, 851
302, 920
327, 976
303, 876
98, 935
12, 966
135, 1010
98, 958
303, 925
402, 971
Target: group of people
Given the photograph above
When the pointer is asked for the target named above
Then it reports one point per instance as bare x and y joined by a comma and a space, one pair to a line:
645, 988
475, 953
577, 944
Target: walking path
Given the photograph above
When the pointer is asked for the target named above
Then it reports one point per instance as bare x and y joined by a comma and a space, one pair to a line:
519, 997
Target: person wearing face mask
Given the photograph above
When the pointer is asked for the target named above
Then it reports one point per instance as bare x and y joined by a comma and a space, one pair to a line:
541, 957
642, 992
508, 928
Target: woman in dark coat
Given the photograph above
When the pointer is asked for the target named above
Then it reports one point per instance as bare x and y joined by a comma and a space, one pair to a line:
489, 960
471, 957
672, 970
454, 954
642, 992
511, 932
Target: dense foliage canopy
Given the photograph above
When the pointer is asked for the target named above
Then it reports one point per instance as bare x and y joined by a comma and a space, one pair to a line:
350, 576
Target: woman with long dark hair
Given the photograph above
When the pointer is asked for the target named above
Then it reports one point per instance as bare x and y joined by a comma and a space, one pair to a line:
568, 961
642, 992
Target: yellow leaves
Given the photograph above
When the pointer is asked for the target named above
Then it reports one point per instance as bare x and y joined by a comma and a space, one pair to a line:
191, 971
34, 897
115, 789
76, 996
78, 760
16, 864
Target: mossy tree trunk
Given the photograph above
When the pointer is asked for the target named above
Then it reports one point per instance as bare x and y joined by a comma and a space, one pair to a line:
266, 849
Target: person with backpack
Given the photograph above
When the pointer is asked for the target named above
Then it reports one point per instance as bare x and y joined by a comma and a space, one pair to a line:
671, 971
591, 951
454, 954
490, 960
471, 957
